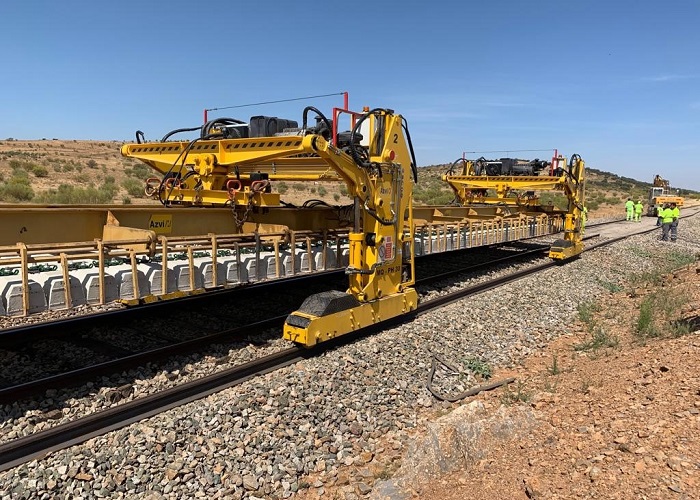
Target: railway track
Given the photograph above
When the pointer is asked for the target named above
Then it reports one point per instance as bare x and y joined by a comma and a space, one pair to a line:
127, 360
36, 445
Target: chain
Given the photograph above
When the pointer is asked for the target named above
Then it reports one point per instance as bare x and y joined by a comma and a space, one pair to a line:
240, 221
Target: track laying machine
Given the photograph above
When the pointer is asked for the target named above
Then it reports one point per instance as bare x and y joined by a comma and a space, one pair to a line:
514, 183
233, 164
222, 223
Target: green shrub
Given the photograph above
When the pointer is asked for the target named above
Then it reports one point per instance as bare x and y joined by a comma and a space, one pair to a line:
91, 163
71, 195
336, 196
140, 171
645, 327
17, 189
40, 171
599, 338
83, 179
322, 191
133, 187
282, 187
20, 174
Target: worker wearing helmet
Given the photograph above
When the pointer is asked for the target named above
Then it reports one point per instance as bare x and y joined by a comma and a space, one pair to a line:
674, 225
638, 208
629, 207
666, 215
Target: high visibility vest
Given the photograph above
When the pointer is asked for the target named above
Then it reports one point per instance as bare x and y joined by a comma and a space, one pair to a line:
638, 208
666, 215
676, 213
629, 205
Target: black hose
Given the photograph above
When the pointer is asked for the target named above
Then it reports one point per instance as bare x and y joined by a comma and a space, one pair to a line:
353, 150
414, 164
451, 170
206, 128
169, 174
177, 131
140, 137
320, 115
480, 166
574, 158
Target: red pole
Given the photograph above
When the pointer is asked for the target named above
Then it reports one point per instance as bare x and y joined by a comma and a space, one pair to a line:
346, 101
554, 158
206, 116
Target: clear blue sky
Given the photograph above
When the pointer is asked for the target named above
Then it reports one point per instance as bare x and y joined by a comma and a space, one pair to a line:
615, 81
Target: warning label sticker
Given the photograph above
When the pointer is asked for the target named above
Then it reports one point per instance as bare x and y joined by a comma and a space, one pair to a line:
388, 248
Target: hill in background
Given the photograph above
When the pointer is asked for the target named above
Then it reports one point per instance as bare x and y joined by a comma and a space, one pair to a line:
94, 172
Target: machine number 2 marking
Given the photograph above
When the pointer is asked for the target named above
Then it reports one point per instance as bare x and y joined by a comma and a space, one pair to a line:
396, 138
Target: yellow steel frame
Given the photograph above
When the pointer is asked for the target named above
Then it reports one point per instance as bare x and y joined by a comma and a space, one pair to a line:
223, 171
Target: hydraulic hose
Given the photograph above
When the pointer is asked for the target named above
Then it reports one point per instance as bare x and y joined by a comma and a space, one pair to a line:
453, 166
353, 150
305, 114
177, 131
169, 174
414, 164
206, 128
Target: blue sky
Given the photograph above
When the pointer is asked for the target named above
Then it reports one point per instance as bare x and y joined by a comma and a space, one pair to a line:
615, 81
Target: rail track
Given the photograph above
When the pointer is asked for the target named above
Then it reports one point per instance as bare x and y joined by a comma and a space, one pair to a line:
126, 360
79, 430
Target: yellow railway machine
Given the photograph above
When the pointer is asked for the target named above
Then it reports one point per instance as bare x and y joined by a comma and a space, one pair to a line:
512, 185
233, 164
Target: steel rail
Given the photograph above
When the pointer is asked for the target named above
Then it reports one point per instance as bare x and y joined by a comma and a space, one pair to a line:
66, 379
80, 430
25, 390
55, 328
77, 431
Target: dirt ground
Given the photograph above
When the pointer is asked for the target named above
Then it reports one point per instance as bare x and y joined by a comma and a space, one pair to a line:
618, 421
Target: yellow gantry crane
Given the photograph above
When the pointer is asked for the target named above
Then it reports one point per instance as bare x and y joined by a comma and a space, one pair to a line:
483, 183
234, 163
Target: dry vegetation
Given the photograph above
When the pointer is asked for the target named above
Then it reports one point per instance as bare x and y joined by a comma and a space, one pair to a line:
58, 171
